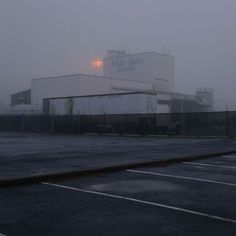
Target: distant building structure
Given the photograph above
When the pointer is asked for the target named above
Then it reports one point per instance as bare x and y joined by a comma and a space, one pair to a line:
83, 85
23, 97
107, 104
202, 101
145, 80
206, 97
149, 67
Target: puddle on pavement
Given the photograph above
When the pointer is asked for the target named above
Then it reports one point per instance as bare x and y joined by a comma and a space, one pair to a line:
136, 186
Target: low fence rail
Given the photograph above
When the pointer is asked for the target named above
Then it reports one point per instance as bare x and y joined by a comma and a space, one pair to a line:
189, 124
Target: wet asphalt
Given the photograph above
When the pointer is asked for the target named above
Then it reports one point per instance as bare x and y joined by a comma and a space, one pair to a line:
29, 155
197, 198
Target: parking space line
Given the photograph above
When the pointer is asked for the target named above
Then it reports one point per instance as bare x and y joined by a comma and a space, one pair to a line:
230, 157
182, 177
38, 152
208, 165
206, 140
18, 153
144, 202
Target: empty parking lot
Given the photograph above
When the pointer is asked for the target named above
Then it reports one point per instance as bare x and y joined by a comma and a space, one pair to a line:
192, 198
33, 155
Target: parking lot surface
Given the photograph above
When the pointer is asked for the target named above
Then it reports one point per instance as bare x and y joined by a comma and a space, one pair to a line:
32, 155
189, 198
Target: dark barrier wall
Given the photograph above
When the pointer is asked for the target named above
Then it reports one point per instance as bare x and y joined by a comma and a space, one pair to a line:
196, 124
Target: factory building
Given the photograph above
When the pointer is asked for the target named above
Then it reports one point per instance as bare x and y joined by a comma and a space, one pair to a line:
126, 77
23, 97
202, 101
82, 85
111, 104
131, 83
149, 67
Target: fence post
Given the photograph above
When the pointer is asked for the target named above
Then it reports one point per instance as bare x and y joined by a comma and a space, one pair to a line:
104, 125
188, 124
78, 123
154, 124
126, 123
227, 122
52, 125
90, 124
23, 124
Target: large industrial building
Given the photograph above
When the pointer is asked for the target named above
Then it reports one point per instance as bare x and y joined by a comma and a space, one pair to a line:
131, 84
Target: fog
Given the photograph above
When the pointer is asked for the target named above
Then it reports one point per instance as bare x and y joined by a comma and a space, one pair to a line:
45, 38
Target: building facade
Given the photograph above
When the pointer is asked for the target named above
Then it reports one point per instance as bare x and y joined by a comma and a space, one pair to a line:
107, 104
145, 80
23, 97
150, 67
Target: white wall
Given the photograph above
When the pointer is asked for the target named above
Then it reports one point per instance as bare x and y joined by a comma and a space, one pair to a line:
110, 104
81, 85
151, 67
53, 87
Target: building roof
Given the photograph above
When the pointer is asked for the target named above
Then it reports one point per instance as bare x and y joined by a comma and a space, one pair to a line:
103, 95
87, 75
140, 53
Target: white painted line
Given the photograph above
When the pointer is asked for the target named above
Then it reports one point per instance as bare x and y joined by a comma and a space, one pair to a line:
206, 140
17, 153
208, 165
145, 202
2, 234
38, 152
182, 177
230, 156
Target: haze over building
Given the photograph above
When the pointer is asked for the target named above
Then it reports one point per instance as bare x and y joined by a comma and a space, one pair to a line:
131, 83
47, 38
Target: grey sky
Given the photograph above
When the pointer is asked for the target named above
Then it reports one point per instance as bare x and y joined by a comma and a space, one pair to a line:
53, 37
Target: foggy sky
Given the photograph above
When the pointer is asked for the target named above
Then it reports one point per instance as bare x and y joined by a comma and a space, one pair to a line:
55, 37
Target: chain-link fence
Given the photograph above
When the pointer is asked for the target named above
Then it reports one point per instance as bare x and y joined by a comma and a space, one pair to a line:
188, 124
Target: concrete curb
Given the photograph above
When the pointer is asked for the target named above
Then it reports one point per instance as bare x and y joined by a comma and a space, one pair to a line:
70, 174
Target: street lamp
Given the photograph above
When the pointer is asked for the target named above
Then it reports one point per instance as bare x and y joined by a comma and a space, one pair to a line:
97, 64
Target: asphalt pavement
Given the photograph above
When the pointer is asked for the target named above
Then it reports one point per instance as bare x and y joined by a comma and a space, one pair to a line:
188, 198
27, 158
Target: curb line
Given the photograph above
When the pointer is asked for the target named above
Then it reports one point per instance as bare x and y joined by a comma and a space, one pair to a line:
70, 174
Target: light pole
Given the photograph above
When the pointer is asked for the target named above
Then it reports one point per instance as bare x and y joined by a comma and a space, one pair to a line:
97, 64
